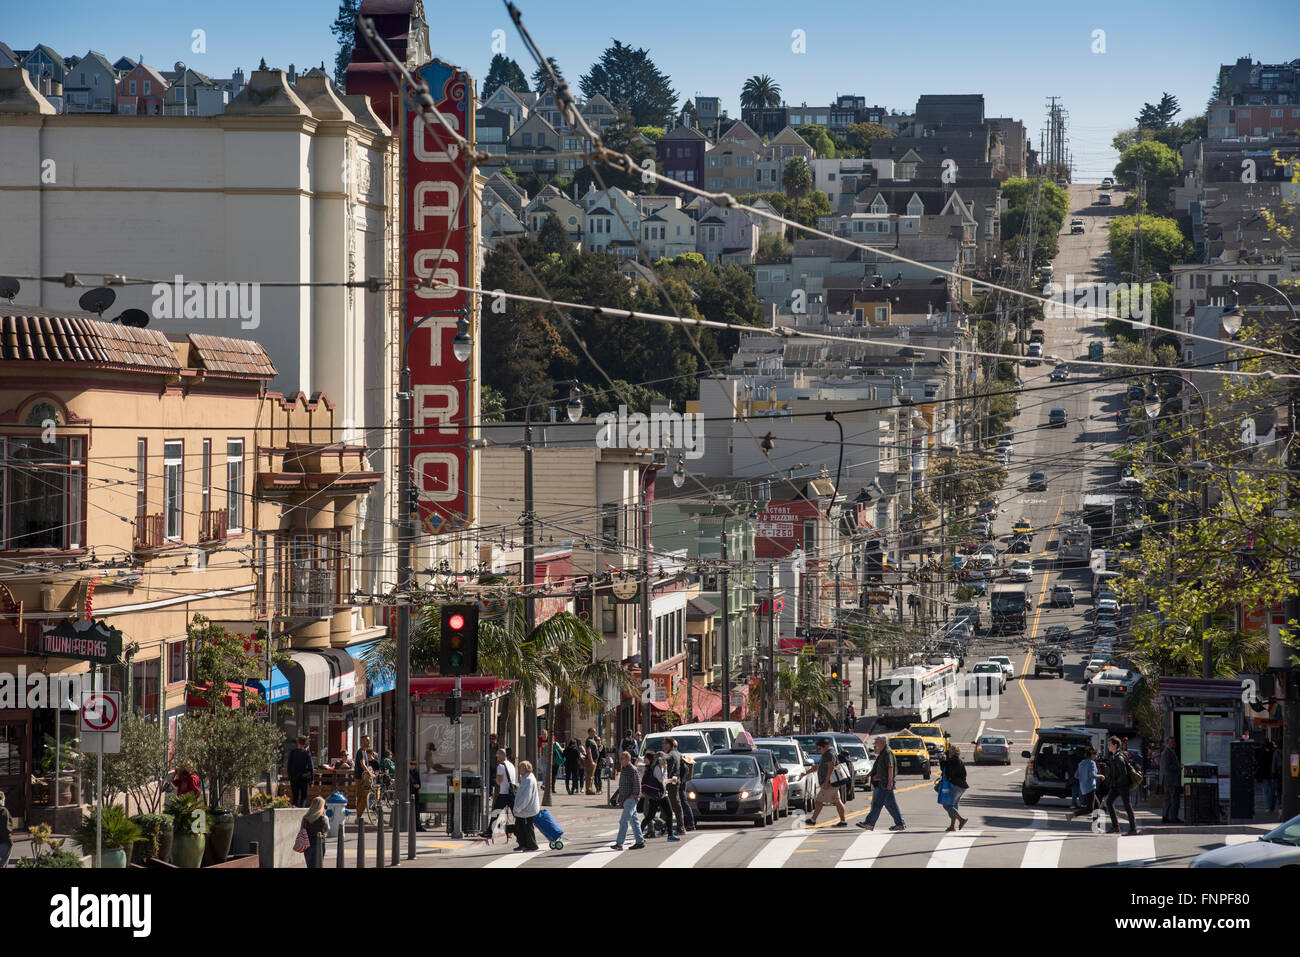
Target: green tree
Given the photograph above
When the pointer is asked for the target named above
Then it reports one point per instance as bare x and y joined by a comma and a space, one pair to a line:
773, 248
797, 178
140, 768
503, 71
623, 136
1128, 353
807, 689
965, 479
344, 30
1157, 116
861, 135
1160, 165
1162, 307
1163, 243
492, 404
760, 91
819, 139
653, 133
629, 79
542, 80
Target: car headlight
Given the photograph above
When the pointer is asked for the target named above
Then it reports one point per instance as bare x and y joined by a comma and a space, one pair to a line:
691, 795
744, 795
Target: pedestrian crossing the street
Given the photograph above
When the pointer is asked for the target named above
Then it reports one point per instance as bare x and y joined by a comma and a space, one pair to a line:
1041, 844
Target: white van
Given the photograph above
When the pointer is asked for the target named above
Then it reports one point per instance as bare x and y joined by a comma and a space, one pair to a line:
720, 734
693, 744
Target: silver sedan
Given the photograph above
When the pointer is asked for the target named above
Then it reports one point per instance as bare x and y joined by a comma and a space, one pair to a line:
1280, 847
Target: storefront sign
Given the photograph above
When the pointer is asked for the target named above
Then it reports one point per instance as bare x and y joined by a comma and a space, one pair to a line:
83, 639
779, 529
437, 199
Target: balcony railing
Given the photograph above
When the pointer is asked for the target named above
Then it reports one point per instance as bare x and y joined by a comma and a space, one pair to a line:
212, 525
310, 593
149, 531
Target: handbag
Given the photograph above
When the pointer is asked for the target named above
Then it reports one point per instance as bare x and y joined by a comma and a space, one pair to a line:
839, 774
945, 789
302, 842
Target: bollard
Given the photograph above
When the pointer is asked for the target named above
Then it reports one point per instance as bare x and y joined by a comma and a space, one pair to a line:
361, 843
379, 837
342, 825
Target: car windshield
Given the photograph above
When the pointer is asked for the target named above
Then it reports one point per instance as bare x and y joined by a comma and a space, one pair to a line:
688, 742
855, 751
987, 666
907, 744
717, 738
993, 739
1000, 659
726, 767
785, 753
1288, 832
928, 732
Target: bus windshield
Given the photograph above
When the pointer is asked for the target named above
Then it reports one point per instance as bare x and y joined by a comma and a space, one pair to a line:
895, 692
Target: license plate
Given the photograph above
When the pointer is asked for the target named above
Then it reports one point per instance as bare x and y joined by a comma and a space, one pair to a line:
717, 805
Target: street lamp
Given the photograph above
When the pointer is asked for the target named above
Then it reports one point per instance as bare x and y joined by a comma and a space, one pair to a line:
574, 411
462, 345
679, 475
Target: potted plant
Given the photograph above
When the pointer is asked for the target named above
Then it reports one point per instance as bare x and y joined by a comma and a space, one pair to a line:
116, 835
189, 829
221, 831
48, 853
155, 838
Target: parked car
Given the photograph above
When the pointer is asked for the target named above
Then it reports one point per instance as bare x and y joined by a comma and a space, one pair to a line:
719, 734
1038, 481
1280, 847
987, 507
1057, 416
1108, 182
983, 527
1095, 664
1106, 605
729, 787
1136, 393
1128, 480
852, 746
1062, 597
992, 749
693, 744
1060, 373
800, 770
1057, 634
1022, 570
1037, 335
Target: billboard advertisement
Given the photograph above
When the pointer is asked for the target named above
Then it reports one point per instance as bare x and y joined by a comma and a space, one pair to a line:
437, 229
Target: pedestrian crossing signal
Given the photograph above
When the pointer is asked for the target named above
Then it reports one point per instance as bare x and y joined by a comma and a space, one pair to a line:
458, 640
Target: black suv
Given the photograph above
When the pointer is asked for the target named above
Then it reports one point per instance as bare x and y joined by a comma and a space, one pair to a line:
1050, 660
1056, 755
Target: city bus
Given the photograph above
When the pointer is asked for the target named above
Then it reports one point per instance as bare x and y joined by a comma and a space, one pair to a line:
1111, 701
917, 693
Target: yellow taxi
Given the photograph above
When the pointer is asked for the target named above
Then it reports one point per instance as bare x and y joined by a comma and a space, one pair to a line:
911, 753
935, 738
1022, 527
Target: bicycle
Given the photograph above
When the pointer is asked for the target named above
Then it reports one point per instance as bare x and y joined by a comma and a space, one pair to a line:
381, 796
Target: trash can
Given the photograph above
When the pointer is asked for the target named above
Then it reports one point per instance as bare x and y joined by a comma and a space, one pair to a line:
336, 807
1201, 793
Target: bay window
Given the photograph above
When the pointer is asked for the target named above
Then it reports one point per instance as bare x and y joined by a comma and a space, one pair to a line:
42, 493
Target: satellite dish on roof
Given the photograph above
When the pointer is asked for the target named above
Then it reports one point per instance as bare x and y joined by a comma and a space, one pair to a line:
134, 317
97, 300
9, 287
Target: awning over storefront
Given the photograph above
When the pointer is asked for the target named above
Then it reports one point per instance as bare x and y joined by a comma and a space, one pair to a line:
276, 689
376, 684
343, 675
490, 688
705, 704
309, 676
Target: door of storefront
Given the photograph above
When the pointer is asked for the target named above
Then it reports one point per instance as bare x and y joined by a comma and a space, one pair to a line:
15, 764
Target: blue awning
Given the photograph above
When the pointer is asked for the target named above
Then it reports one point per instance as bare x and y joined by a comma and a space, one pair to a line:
277, 689
374, 685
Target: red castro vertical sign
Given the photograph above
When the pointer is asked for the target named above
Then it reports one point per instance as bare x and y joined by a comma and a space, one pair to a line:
438, 200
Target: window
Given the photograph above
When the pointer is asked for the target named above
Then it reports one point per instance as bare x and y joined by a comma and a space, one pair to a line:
145, 676
132, 87
882, 314
173, 489
235, 485
147, 85
42, 490
177, 662
528, 139
141, 481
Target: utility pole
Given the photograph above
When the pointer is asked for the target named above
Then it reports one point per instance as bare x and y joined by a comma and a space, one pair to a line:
647, 476
770, 716
839, 652
405, 542
725, 587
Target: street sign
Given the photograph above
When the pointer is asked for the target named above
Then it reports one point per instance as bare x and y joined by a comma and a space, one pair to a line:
100, 722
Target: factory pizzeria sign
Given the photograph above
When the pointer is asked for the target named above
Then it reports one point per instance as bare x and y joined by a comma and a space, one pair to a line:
85, 640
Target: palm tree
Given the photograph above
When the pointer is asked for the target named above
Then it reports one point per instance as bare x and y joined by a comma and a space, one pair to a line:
797, 178
760, 91
806, 686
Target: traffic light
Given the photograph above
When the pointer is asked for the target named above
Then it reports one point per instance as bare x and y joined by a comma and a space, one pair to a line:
458, 642
453, 708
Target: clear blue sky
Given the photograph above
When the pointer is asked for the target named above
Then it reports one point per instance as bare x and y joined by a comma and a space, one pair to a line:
1016, 53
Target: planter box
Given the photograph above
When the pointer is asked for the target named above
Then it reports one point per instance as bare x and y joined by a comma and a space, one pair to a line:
274, 830
241, 860
61, 820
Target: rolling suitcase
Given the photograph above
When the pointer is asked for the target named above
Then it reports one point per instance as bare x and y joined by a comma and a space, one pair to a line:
552, 831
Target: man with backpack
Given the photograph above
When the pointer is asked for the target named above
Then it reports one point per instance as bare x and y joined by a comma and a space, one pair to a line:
1122, 777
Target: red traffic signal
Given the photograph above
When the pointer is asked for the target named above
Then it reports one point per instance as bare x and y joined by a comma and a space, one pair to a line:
458, 640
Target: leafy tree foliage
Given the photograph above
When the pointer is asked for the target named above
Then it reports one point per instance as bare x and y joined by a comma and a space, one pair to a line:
629, 79
624, 136
1163, 243
819, 139
541, 80
797, 178
1160, 166
1160, 115
860, 136
503, 71
344, 30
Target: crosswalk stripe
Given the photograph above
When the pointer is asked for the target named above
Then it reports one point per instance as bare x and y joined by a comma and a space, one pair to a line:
695, 848
952, 850
596, 858
1139, 847
512, 859
864, 851
1044, 846
777, 850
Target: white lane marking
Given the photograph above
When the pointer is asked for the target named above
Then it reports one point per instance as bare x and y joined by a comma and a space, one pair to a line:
513, 859
1044, 847
695, 849
778, 849
980, 733
596, 858
1139, 847
613, 833
1007, 774
864, 851
952, 850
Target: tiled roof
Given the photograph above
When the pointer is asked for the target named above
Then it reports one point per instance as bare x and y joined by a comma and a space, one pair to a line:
81, 340
232, 356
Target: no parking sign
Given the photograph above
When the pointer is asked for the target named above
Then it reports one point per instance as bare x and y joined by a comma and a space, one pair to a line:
100, 721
